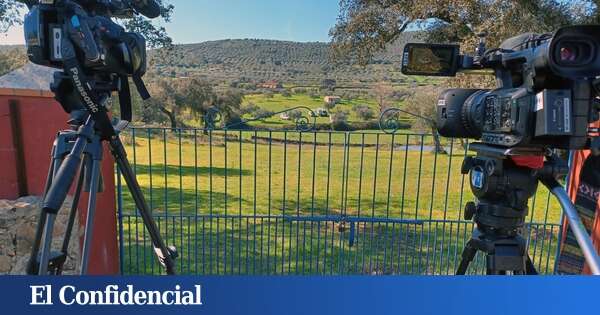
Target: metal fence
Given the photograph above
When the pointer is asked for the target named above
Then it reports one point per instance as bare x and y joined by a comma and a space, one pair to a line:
304, 203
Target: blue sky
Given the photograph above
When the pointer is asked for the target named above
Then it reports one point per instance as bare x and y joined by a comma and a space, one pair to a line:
296, 20
203, 20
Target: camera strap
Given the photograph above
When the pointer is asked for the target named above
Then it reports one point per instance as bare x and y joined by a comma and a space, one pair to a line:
141, 87
125, 95
125, 99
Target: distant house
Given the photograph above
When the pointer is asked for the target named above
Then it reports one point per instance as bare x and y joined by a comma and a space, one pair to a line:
272, 85
332, 100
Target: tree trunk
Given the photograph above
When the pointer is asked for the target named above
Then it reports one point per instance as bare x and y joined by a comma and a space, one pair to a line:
170, 115
438, 144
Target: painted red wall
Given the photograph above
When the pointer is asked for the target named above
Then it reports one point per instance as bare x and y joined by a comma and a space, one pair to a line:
41, 118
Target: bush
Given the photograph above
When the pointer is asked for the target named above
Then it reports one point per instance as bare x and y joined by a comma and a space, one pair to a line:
364, 112
339, 121
262, 113
299, 90
250, 109
295, 114
286, 93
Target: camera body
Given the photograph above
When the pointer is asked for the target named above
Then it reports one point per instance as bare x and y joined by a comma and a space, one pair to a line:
102, 45
545, 91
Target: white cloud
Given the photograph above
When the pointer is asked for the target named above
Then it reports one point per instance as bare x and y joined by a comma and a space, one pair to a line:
14, 36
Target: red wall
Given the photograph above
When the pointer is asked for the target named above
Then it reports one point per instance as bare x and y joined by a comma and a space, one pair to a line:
41, 117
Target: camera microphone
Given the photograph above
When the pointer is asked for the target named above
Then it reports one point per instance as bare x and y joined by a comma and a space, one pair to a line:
148, 8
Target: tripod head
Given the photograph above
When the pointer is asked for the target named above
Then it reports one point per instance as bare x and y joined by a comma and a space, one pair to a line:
503, 180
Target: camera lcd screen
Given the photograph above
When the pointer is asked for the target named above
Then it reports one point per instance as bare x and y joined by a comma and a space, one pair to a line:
433, 60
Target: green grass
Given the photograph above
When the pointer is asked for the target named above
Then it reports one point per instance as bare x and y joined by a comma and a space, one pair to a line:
279, 103
186, 176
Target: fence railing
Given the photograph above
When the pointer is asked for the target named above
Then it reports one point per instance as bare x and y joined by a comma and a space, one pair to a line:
294, 202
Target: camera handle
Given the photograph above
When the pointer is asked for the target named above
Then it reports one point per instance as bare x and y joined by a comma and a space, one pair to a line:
582, 236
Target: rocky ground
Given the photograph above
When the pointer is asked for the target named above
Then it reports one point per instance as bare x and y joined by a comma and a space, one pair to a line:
18, 221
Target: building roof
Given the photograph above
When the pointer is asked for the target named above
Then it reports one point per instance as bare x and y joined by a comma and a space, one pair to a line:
29, 77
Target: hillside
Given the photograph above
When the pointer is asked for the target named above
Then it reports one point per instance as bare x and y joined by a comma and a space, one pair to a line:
257, 60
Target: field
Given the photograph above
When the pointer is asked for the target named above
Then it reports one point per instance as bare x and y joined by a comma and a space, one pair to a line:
278, 103
300, 187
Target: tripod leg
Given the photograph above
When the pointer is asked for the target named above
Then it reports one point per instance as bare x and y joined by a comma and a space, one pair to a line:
163, 253
47, 246
467, 256
72, 216
530, 268
91, 211
32, 264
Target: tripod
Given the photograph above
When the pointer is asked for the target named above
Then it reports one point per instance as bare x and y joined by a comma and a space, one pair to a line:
503, 189
79, 151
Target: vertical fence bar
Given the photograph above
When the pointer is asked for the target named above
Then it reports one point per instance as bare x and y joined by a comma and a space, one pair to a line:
120, 218
196, 201
269, 209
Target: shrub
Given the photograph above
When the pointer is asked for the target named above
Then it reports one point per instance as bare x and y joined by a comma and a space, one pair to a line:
262, 113
364, 112
295, 114
250, 109
339, 121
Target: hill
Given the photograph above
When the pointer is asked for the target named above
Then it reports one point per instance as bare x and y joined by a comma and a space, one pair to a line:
293, 63
234, 61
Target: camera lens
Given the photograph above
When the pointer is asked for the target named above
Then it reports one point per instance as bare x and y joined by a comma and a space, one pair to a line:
460, 113
568, 54
574, 53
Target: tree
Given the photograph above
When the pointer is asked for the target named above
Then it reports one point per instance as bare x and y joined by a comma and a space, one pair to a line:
286, 93
156, 35
250, 109
295, 114
9, 14
364, 112
11, 59
328, 85
262, 113
195, 95
382, 92
339, 120
229, 104
366, 27
422, 104
164, 99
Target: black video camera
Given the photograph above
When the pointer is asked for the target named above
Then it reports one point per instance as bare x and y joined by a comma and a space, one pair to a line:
101, 44
547, 94
96, 54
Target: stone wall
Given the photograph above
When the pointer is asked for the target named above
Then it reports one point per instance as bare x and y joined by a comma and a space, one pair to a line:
18, 222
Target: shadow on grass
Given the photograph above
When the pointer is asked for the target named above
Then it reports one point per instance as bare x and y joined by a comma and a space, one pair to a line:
158, 169
268, 246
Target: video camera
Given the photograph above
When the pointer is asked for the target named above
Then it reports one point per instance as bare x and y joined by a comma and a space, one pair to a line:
103, 44
97, 54
547, 88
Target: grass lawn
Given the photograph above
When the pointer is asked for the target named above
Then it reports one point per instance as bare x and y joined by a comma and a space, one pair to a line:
254, 195
279, 103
